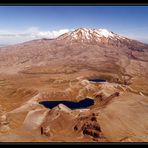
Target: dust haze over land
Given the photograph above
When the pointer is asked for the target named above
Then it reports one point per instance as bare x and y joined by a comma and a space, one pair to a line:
59, 69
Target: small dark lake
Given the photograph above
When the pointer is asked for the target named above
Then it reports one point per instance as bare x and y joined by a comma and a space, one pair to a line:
97, 80
72, 105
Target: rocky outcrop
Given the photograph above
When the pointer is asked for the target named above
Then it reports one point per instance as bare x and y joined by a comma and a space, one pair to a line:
88, 125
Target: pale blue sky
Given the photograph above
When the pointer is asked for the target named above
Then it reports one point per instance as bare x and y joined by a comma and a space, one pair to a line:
48, 21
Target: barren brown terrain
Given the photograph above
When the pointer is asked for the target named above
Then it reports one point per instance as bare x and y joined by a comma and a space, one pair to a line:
60, 69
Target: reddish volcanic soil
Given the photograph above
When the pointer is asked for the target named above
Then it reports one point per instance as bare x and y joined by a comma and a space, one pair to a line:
58, 70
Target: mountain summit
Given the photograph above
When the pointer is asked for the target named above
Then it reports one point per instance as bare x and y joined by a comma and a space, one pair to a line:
100, 36
85, 34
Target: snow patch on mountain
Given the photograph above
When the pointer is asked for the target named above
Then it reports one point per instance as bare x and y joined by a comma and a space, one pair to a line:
84, 34
105, 32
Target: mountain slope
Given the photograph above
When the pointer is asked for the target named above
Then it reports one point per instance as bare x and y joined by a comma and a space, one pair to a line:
97, 49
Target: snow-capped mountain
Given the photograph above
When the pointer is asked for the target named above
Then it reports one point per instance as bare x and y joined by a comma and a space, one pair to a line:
97, 36
84, 34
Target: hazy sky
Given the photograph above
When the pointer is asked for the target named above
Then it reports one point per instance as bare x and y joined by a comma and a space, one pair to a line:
22, 23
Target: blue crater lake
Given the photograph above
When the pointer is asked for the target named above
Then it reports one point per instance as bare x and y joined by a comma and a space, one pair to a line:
97, 80
72, 105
